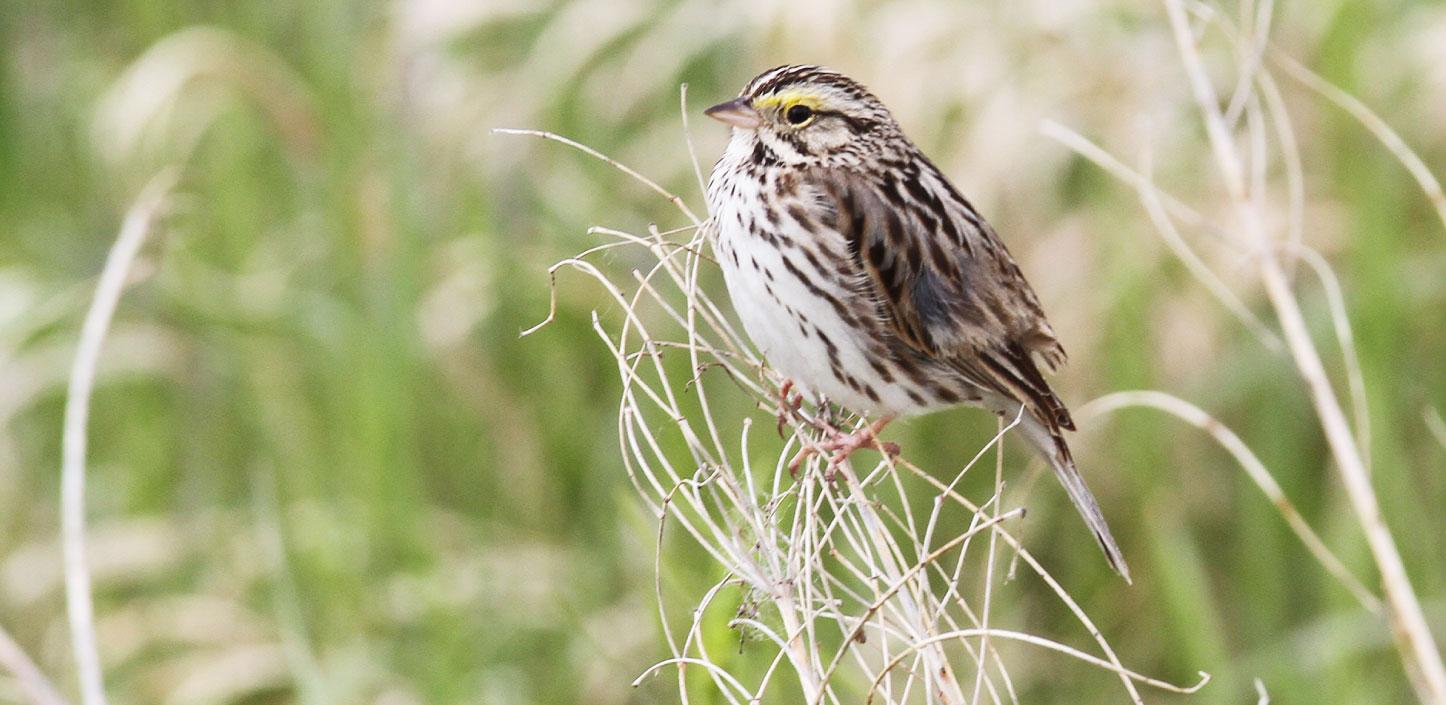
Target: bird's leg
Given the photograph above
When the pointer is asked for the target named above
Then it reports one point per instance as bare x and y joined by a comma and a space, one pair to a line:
788, 406
824, 422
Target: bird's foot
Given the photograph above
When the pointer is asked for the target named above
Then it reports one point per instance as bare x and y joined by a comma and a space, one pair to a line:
841, 445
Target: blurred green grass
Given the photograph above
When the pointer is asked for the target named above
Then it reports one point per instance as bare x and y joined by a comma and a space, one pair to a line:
330, 318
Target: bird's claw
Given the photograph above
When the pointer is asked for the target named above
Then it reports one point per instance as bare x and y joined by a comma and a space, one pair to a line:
788, 407
798, 460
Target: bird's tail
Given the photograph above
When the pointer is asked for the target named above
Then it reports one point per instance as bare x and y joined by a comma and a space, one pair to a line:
1049, 441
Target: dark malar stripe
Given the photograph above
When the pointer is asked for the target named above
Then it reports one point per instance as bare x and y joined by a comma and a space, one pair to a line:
762, 156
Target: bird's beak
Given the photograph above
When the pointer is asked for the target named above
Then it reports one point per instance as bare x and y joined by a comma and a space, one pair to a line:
738, 113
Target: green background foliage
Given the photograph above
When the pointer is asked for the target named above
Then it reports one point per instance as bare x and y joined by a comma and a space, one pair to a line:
325, 468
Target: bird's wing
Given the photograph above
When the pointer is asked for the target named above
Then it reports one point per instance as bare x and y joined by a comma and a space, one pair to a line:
944, 282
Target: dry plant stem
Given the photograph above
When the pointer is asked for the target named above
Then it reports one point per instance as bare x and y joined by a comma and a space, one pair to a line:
674, 199
1254, 468
658, 587
898, 620
1151, 199
1103, 159
989, 565
1341, 323
797, 650
33, 683
693, 262
79, 607
954, 579
959, 477
1294, 170
705, 664
1157, 200
630, 377
1023, 554
908, 576
688, 139
819, 541
1046, 643
695, 639
1372, 122
936, 661
989, 650
1413, 637
1249, 56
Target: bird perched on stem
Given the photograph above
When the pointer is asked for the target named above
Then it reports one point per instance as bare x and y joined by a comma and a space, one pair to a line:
866, 279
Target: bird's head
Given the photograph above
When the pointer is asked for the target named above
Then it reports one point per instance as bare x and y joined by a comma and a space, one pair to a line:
808, 115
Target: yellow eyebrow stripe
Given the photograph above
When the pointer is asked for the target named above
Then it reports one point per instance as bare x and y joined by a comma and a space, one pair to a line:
788, 98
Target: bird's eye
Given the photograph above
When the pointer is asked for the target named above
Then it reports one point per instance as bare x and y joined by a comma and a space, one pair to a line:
798, 114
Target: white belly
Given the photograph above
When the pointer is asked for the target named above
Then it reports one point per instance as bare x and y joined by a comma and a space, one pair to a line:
799, 332
781, 316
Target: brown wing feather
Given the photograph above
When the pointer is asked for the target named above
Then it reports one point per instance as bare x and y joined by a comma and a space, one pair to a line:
946, 284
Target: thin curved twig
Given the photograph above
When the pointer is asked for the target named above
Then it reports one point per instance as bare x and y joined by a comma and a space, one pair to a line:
665, 193
1048, 644
79, 605
1388, 137
1253, 467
